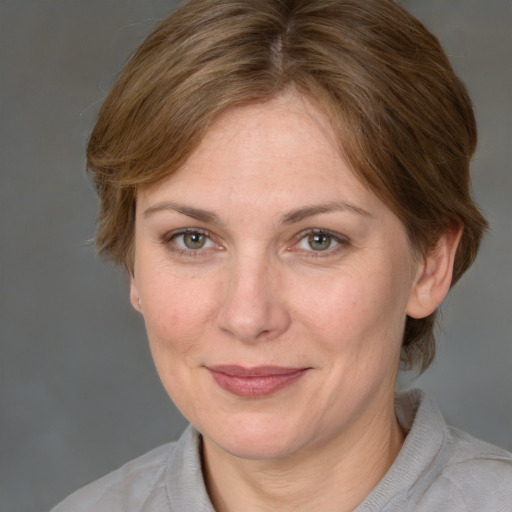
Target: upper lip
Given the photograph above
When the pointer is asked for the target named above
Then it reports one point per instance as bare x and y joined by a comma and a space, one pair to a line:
255, 371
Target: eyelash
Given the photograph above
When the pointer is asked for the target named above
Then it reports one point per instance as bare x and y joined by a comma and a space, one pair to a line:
341, 242
169, 241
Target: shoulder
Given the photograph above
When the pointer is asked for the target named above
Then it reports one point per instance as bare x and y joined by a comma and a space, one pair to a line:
444, 468
168, 478
479, 472
135, 482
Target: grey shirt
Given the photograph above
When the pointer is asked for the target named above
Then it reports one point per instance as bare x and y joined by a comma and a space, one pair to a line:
439, 468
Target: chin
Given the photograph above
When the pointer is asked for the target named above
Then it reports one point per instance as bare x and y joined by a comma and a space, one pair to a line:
257, 438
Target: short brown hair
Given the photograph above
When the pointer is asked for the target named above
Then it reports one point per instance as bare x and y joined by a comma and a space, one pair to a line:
405, 121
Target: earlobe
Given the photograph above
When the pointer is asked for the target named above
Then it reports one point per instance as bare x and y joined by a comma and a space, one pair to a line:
434, 276
134, 296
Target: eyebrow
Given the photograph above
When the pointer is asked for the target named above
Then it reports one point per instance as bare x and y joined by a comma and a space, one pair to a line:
288, 218
309, 211
195, 213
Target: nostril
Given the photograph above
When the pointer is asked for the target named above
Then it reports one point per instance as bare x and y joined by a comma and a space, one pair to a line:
250, 324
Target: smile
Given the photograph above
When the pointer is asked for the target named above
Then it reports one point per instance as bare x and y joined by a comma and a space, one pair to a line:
255, 382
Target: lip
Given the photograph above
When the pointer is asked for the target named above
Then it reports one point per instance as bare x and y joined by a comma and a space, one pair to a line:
257, 381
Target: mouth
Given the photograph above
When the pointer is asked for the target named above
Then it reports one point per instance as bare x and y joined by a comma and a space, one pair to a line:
255, 382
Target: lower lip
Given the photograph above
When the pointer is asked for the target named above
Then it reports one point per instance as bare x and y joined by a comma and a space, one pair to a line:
256, 386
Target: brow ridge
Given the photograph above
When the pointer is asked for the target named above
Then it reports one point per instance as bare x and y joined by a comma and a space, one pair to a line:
190, 211
302, 213
291, 217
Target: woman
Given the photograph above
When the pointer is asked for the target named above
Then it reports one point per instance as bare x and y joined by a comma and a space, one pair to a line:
286, 183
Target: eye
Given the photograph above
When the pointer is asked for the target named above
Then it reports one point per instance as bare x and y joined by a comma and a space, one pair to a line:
190, 241
320, 241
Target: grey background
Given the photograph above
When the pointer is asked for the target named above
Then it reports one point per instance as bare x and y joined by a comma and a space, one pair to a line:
78, 392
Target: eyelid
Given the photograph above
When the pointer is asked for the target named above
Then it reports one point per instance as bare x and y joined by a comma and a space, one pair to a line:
341, 240
183, 231
168, 238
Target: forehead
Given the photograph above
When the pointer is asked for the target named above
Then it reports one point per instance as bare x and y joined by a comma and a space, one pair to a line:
283, 150
280, 124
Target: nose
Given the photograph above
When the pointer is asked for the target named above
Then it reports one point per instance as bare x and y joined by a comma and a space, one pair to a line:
254, 308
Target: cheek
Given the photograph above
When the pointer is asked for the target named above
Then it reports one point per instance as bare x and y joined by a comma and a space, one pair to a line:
360, 309
334, 299
177, 310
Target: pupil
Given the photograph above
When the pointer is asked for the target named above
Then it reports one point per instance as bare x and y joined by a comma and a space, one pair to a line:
194, 240
319, 242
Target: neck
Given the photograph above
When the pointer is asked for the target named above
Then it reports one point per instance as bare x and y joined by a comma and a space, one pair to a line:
337, 475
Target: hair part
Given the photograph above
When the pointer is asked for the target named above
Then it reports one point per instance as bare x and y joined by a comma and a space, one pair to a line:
403, 118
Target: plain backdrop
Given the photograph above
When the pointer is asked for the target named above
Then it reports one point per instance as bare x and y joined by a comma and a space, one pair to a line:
78, 392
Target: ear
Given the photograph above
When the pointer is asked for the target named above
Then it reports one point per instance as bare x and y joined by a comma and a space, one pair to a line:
134, 295
434, 275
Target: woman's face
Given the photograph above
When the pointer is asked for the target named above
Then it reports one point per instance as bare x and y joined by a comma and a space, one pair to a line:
273, 284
